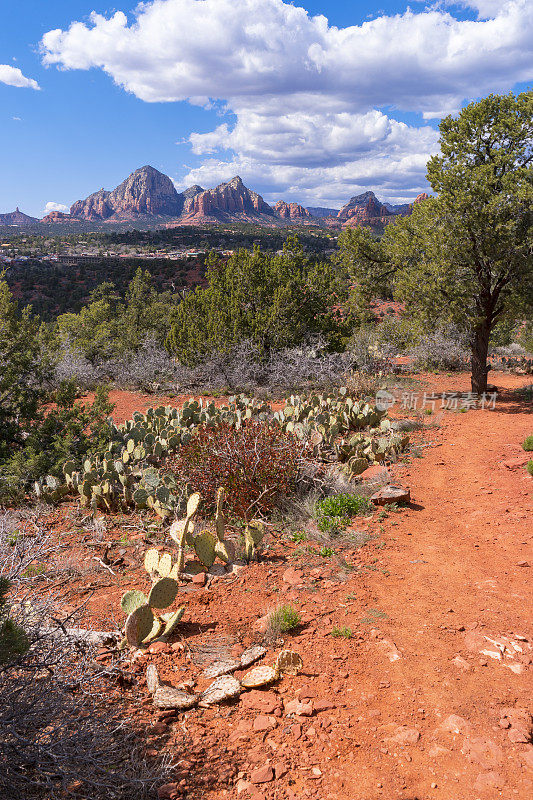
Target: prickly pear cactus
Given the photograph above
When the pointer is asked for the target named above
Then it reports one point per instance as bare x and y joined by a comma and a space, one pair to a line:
204, 544
171, 620
259, 676
157, 627
151, 561
163, 593
168, 697
288, 663
139, 625
219, 516
224, 688
225, 551
152, 678
132, 600
165, 565
192, 504
252, 654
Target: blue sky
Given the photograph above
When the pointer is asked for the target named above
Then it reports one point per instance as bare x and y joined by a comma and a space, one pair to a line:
311, 102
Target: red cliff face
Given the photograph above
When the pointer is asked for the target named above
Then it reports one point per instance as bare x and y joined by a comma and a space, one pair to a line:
363, 208
94, 207
146, 192
421, 197
227, 201
285, 210
57, 217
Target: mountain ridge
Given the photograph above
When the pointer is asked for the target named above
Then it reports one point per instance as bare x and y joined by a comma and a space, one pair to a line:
148, 194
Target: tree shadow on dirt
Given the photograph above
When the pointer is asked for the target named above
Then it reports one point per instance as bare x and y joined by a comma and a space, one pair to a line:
513, 401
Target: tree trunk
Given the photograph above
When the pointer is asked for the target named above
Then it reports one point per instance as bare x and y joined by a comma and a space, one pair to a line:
480, 351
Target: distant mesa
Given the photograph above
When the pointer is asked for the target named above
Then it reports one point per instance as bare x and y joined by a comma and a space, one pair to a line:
289, 211
321, 213
17, 218
57, 217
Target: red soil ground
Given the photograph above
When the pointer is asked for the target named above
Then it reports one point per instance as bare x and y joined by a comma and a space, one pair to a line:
409, 707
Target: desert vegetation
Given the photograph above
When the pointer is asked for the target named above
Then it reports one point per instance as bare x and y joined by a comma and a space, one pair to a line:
254, 463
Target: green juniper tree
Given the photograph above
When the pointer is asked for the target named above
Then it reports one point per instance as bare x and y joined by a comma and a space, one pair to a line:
464, 256
22, 370
273, 300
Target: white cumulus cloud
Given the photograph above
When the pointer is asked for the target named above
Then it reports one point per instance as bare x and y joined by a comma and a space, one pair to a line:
51, 206
13, 76
306, 102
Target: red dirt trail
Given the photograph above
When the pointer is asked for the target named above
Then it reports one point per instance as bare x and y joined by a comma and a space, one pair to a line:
409, 708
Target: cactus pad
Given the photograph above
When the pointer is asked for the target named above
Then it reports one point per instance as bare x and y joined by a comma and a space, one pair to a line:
177, 530
204, 544
256, 531
140, 497
224, 688
132, 600
168, 697
165, 565
156, 630
172, 621
163, 593
225, 551
152, 678
259, 676
288, 663
138, 625
193, 503
251, 655
151, 560
357, 465
221, 668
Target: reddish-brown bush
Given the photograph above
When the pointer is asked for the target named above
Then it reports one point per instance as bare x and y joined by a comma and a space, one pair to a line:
257, 465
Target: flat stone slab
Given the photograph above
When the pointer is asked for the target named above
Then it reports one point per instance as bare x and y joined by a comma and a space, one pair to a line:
391, 494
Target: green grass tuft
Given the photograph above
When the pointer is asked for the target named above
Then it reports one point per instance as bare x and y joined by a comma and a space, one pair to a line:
334, 513
283, 619
342, 633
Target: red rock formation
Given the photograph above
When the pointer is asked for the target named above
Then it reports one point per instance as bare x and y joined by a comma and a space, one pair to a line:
227, 201
421, 197
94, 207
145, 192
17, 218
57, 217
285, 210
363, 208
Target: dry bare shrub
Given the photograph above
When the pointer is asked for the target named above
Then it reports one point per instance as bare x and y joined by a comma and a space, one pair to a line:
58, 731
443, 349
362, 384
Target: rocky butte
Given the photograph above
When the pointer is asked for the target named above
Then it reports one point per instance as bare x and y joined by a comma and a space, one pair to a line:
293, 211
231, 201
363, 208
17, 218
147, 192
